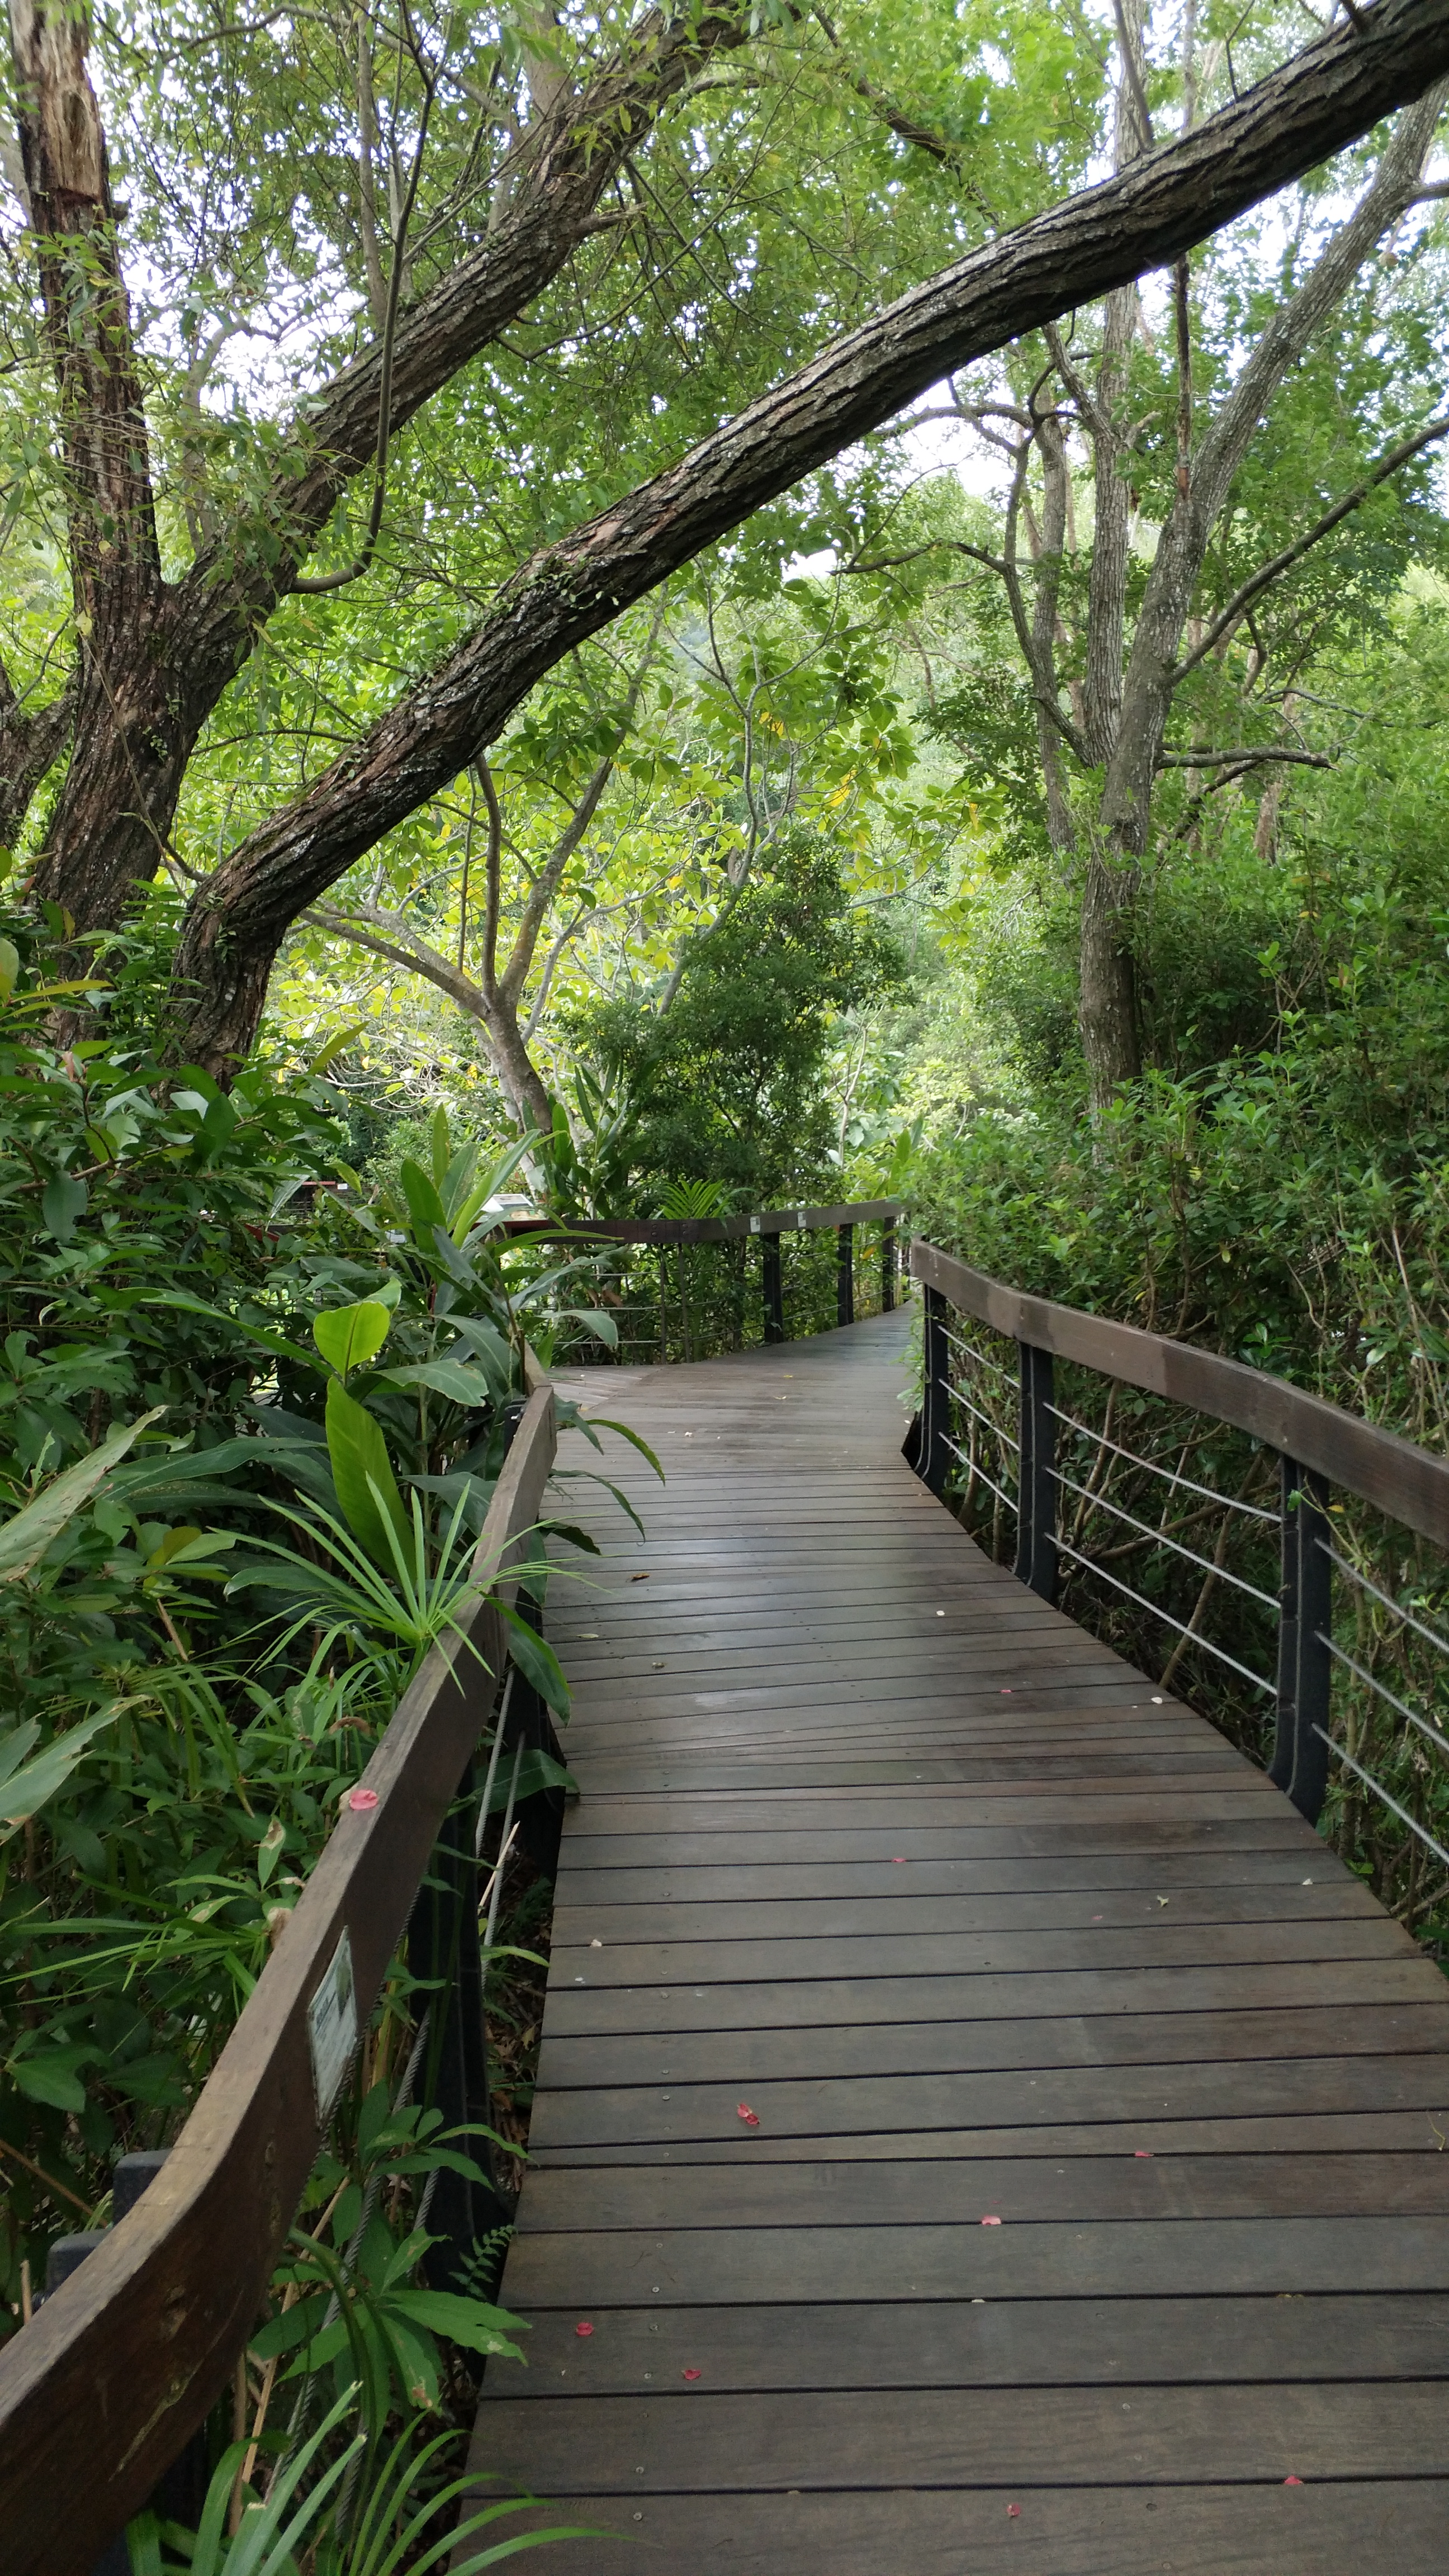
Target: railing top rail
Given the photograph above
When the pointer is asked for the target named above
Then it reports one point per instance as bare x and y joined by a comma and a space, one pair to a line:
1409, 1483
117, 2369
703, 1229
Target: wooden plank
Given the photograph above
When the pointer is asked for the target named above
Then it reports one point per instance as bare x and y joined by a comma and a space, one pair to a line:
1269, 2257
1255, 2529
1155, 1944
852, 2002
770, 1918
1322, 2133
1234, 1874
887, 2439
1123, 2185
1260, 2038
1003, 2343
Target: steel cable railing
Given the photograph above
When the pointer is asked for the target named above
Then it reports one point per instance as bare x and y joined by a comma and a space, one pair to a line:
1135, 1497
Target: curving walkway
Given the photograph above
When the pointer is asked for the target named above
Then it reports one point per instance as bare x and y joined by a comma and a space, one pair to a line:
1098, 2180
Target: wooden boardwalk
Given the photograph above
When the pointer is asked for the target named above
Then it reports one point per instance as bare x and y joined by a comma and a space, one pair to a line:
1099, 2184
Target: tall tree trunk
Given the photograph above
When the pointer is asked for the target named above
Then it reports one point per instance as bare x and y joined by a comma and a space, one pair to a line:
131, 761
1108, 993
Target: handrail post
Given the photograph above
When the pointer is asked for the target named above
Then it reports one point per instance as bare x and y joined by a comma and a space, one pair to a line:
845, 1274
888, 1266
934, 1464
1305, 1666
1036, 1524
1290, 1478
1312, 1661
774, 1289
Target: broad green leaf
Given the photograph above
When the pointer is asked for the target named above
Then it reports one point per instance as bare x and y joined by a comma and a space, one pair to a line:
63, 1202
336, 1045
469, 2322
50, 2076
424, 1205
25, 1538
349, 1336
362, 1472
456, 1379
25, 1789
536, 1660
9, 968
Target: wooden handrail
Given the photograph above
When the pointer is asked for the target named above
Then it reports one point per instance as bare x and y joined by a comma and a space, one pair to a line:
701, 1229
1409, 1483
100, 2392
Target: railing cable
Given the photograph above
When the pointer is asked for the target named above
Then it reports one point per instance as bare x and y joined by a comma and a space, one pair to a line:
1195, 1634
1161, 1538
1170, 1475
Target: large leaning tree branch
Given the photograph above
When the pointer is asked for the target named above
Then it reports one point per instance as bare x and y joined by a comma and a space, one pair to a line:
1144, 217
156, 656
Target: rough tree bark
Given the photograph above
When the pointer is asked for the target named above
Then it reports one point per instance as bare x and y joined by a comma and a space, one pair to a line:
156, 656
1161, 205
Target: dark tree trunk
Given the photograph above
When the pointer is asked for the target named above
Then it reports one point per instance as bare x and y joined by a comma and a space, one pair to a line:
1160, 205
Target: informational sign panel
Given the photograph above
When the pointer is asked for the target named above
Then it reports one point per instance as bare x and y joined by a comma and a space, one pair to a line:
332, 2026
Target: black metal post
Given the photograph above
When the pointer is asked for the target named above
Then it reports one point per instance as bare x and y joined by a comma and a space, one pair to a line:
933, 1464
888, 1266
1036, 1524
1290, 1477
774, 1289
1305, 1667
443, 1954
1313, 1664
845, 1274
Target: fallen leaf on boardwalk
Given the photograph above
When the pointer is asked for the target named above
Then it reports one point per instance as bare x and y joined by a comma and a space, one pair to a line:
1164, 1900
638, 1578
583, 2330
750, 2118
693, 2374
1012, 2511
991, 2222
596, 1945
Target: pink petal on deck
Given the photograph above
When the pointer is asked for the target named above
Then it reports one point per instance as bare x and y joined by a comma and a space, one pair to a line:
991, 2222
1143, 2151
1293, 2482
361, 1800
693, 2374
751, 2118
1012, 2511
583, 2330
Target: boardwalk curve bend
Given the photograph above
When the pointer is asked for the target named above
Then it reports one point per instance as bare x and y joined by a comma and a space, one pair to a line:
980, 2123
